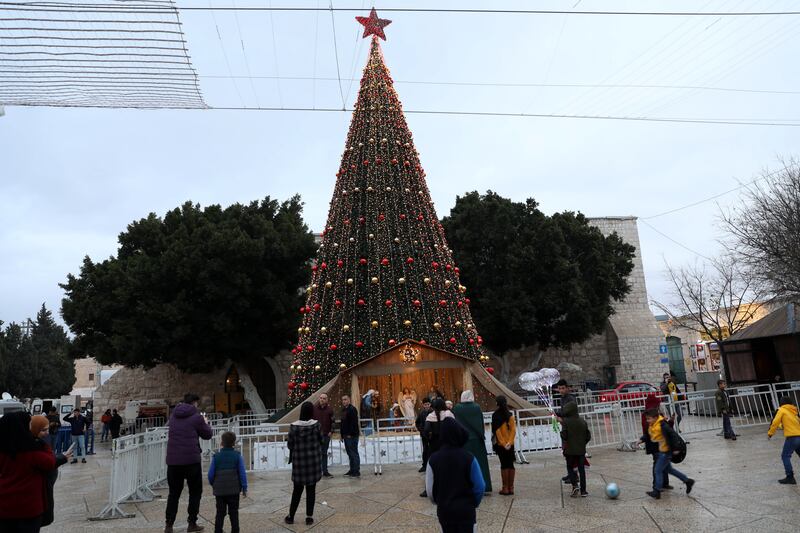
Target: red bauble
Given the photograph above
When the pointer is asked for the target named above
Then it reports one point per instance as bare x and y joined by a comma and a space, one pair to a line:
460, 304
417, 303
406, 163
435, 265
366, 162
443, 303
323, 266
402, 216
489, 369
361, 220
472, 342
393, 161
381, 217
304, 385
359, 344
361, 302
313, 268
467, 301
388, 303
392, 342
302, 310
378, 160
291, 385
362, 261
480, 340
347, 222
317, 307
457, 271
333, 347
422, 341
385, 262
338, 303
452, 340
339, 263
420, 218
448, 268
410, 261
310, 348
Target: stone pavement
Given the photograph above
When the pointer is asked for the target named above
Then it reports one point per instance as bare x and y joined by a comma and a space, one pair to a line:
736, 491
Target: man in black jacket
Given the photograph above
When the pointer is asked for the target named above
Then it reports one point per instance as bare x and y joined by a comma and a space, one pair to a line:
420, 424
350, 434
78, 423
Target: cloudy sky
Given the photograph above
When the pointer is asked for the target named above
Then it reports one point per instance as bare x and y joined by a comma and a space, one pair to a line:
72, 179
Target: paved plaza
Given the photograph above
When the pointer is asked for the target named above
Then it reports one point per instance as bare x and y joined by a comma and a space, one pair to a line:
736, 490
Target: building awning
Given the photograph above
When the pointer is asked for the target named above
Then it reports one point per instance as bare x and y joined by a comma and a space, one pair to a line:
782, 321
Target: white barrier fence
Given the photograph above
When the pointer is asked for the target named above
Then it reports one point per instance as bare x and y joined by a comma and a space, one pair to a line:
138, 461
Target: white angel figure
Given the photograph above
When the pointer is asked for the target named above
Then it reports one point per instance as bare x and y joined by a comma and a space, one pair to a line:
408, 401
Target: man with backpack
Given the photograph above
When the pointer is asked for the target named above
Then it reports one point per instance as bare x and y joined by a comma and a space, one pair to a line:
671, 448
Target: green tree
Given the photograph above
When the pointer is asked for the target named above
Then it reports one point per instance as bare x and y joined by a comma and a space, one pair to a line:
536, 280
195, 288
36, 364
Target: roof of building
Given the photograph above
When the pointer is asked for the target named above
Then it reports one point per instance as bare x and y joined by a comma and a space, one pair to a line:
782, 321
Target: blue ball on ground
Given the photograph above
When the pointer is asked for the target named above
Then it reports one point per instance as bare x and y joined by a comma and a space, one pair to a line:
612, 491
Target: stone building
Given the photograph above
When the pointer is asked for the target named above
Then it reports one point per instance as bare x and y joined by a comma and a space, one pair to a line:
89, 374
627, 350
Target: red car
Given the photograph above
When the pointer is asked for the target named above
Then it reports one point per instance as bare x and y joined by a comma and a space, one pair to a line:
629, 390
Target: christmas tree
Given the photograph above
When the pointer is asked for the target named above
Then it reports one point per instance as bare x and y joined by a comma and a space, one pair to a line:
383, 272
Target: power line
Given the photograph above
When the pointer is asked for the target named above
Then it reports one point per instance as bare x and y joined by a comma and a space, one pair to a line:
336, 53
108, 8
523, 85
673, 240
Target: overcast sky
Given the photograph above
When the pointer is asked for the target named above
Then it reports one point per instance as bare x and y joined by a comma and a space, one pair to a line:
72, 179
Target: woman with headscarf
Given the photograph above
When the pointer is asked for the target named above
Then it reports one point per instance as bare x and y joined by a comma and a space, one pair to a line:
40, 429
469, 414
24, 465
432, 427
453, 480
504, 431
305, 454
651, 447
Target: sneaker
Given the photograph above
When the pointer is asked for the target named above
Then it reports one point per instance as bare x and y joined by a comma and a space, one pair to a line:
309, 520
421, 469
194, 527
74, 461
689, 485
733, 437
289, 519
327, 474
355, 474
423, 494
584, 494
348, 474
83, 460
575, 492
667, 487
654, 494
788, 480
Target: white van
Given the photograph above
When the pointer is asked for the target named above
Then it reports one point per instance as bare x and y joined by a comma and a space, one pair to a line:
10, 406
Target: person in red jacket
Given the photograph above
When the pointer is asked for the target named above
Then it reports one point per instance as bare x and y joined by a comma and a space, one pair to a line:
24, 465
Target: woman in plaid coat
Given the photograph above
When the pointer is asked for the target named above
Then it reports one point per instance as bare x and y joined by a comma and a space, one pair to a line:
305, 454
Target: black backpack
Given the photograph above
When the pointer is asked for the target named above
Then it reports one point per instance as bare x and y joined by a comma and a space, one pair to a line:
676, 443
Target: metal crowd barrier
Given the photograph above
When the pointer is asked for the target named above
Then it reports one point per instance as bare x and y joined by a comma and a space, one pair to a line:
138, 464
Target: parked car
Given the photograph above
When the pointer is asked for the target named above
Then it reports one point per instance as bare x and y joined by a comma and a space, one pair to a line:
630, 390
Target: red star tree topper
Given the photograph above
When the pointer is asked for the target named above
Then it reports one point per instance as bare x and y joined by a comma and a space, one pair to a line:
373, 25
383, 271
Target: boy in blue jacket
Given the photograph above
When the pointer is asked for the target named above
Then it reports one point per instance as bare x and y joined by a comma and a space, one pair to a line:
453, 480
228, 478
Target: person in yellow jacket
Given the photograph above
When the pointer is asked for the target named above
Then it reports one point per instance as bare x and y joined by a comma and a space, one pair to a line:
787, 418
669, 444
504, 431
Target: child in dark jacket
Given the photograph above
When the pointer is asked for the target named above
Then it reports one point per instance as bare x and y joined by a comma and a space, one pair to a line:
574, 436
228, 478
669, 442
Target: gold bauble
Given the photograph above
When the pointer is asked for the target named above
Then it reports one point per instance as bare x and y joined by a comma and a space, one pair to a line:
349, 281
436, 325
371, 235
323, 330
374, 324
370, 189
313, 285
357, 189
352, 239
317, 368
328, 285
427, 281
388, 189
447, 283
462, 288
407, 323
401, 281
397, 240
374, 281
345, 328
291, 367
306, 330
458, 323
342, 366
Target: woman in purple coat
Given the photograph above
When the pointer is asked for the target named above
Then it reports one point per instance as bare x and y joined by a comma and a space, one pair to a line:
186, 427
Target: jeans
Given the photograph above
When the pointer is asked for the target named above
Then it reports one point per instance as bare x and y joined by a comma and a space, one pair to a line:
790, 445
297, 492
665, 481
579, 461
351, 447
727, 428
664, 466
80, 446
678, 414
193, 475
229, 505
104, 433
326, 442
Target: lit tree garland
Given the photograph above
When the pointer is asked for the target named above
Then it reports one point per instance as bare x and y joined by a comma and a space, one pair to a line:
383, 271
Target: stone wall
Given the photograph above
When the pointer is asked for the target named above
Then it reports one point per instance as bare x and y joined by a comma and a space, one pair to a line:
163, 382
